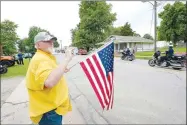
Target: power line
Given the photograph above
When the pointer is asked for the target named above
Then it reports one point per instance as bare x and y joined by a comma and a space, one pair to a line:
163, 3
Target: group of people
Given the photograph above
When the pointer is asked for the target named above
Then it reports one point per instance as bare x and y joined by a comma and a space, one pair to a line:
19, 58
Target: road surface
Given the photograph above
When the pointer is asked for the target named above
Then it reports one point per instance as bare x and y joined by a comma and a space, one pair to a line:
8, 85
143, 94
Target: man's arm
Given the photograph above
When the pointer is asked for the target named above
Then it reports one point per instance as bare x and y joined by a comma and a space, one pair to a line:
57, 73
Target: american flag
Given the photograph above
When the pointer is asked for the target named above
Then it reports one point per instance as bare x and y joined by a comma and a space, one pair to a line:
98, 68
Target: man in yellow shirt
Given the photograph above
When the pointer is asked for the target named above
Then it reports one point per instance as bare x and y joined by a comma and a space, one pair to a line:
47, 89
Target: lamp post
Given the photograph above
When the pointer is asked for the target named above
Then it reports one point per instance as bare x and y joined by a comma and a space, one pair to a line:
61, 45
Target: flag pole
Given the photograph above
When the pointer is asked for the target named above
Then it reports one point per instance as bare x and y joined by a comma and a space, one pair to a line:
73, 65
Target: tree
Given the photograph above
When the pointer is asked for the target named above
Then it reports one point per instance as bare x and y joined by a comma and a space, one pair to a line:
148, 36
126, 30
56, 44
73, 33
8, 36
114, 31
95, 20
136, 34
22, 43
185, 40
172, 26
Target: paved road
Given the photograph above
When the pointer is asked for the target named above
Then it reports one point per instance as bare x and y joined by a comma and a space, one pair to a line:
8, 85
143, 94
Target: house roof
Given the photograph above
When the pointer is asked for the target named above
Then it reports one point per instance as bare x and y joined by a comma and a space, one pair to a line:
128, 39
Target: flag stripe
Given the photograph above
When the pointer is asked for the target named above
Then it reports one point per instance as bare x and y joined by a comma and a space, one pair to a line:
113, 89
112, 96
103, 69
99, 77
102, 74
95, 76
92, 83
110, 81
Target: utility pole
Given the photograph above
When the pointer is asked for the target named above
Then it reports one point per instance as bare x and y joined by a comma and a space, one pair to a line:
61, 45
155, 9
155, 17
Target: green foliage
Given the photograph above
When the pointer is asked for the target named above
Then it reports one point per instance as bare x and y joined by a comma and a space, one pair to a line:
56, 44
95, 21
126, 30
136, 34
172, 26
148, 36
22, 44
116, 31
8, 36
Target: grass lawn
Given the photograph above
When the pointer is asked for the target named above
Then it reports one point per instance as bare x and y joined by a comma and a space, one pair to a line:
150, 53
17, 70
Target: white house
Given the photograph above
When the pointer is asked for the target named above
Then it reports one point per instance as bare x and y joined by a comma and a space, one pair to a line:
131, 42
161, 44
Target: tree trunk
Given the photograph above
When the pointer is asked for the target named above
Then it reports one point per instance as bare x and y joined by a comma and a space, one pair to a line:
87, 48
1, 50
185, 36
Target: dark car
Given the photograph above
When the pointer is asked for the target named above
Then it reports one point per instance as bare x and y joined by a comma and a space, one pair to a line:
82, 51
27, 55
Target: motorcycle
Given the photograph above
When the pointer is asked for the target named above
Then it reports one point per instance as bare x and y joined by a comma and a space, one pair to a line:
176, 62
129, 57
3, 69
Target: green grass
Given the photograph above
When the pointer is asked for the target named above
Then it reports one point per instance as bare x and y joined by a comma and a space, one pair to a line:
150, 53
17, 70
144, 57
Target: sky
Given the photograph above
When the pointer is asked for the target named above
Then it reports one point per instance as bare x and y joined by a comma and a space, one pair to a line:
59, 17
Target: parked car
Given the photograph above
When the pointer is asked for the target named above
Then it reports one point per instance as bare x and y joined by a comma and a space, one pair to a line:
7, 61
27, 55
82, 51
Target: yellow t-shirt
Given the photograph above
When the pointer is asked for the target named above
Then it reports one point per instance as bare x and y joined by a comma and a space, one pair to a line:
42, 100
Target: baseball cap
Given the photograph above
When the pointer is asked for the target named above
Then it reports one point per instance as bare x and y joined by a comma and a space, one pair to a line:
43, 36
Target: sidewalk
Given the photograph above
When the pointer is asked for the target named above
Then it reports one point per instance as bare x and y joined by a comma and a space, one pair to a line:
15, 109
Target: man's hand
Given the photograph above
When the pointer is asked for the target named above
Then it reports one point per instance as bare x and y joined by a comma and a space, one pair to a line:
66, 70
69, 54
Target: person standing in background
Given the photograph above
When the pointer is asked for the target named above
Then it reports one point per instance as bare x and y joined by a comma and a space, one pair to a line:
20, 57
